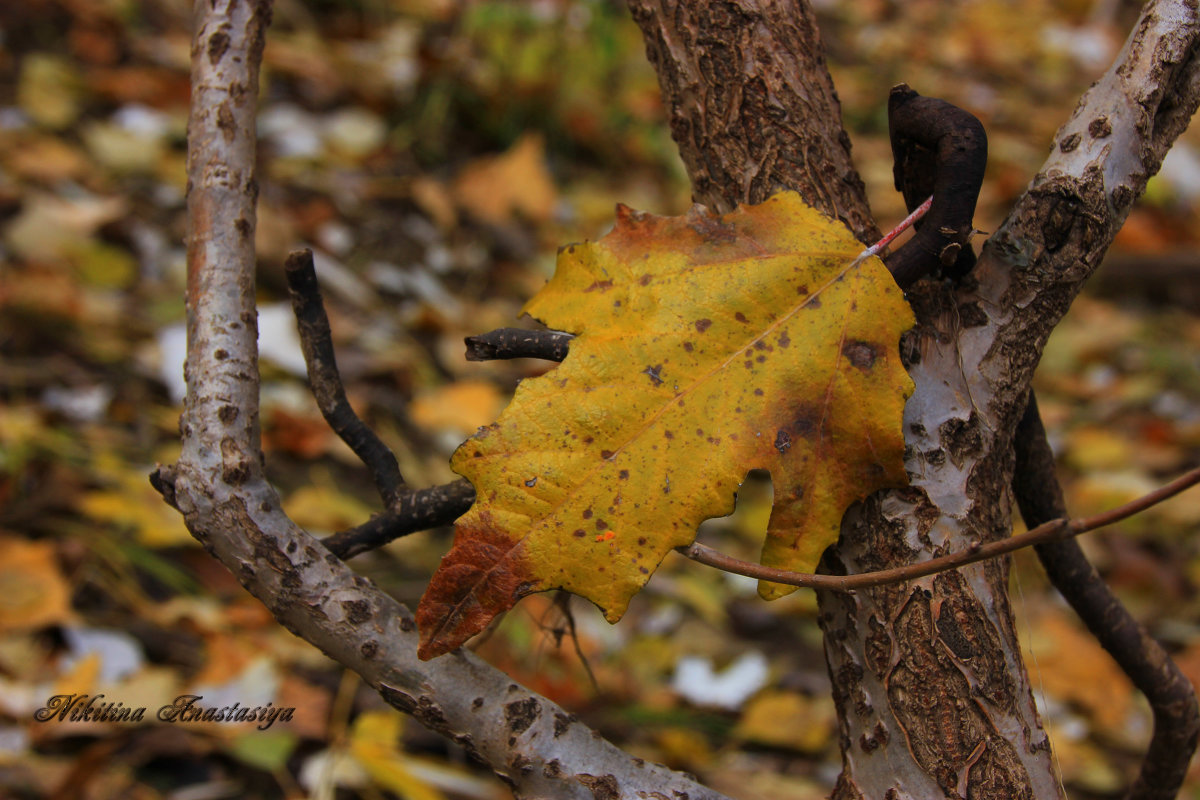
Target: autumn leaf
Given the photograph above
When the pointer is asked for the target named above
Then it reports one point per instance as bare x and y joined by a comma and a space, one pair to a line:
706, 346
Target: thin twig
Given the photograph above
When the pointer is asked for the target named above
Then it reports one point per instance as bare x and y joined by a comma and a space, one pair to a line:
1052, 531
317, 343
416, 511
1172, 699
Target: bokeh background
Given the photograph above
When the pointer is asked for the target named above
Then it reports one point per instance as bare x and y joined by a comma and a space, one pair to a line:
434, 154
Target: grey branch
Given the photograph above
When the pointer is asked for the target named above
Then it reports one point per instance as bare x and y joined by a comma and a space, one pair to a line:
219, 486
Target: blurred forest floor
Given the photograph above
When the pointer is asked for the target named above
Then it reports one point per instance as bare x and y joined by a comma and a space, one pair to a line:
434, 154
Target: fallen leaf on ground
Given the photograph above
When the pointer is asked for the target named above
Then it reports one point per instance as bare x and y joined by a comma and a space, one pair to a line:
788, 720
33, 591
1074, 668
516, 182
463, 406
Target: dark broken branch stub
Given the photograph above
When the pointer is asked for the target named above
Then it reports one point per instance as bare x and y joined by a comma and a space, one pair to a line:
941, 150
505, 343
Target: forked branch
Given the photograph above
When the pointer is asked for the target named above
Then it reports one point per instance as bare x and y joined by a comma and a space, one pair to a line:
229, 506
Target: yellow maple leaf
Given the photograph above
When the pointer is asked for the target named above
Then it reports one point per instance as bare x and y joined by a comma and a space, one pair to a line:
706, 346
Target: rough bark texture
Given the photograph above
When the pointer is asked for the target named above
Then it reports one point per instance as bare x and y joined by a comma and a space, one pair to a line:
752, 106
932, 695
218, 484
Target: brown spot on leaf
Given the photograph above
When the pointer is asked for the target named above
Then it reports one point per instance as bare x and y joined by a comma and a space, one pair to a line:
703, 324
806, 422
602, 286
655, 374
607, 455
740, 317
783, 441
859, 353
623, 474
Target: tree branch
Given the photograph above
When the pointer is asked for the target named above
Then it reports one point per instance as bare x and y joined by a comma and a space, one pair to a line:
1140, 656
317, 343
1052, 530
219, 486
416, 511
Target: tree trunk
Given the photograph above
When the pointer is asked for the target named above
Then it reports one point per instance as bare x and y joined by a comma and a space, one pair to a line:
932, 694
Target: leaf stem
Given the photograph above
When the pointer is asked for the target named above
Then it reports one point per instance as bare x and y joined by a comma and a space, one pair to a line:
890, 236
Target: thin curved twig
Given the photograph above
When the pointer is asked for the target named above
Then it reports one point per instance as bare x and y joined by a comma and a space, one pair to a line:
317, 344
1172, 699
1051, 531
